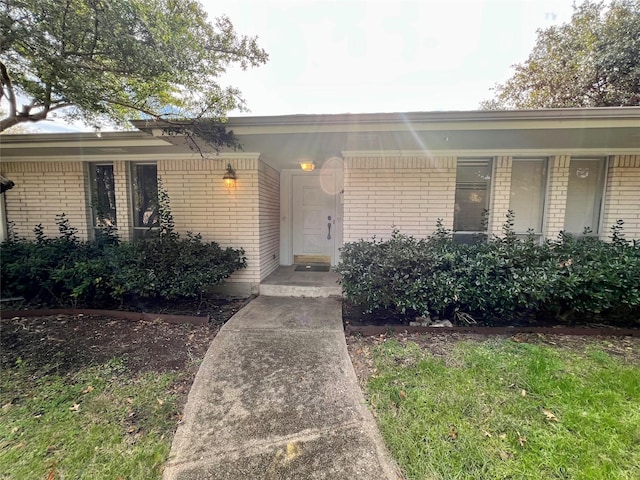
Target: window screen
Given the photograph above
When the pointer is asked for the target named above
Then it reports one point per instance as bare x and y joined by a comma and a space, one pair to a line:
473, 179
528, 184
145, 196
584, 195
103, 197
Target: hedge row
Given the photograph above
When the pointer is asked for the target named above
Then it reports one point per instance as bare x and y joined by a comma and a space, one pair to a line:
66, 271
499, 281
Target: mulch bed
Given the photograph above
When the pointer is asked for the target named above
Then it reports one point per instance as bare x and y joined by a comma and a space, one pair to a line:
358, 322
71, 341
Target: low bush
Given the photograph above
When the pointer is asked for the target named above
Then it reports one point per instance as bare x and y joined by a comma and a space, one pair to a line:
501, 280
66, 271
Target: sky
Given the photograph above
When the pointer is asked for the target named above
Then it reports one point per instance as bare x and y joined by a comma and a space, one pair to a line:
356, 56
367, 56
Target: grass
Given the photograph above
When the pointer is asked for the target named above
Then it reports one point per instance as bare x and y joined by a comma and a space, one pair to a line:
99, 422
505, 410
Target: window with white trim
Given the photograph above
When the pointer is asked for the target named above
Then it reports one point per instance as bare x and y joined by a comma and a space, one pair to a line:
585, 192
102, 193
144, 180
473, 187
528, 186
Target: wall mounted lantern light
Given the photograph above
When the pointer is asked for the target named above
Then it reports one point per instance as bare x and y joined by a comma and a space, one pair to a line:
307, 165
229, 177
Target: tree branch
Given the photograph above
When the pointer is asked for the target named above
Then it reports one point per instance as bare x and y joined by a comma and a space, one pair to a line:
7, 86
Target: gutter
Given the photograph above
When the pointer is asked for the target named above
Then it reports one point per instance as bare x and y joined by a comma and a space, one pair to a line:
609, 113
479, 119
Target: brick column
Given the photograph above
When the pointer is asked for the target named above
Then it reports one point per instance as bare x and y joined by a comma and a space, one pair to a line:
122, 188
556, 196
500, 197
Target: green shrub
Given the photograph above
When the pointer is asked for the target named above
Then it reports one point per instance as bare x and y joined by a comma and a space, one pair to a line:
170, 267
501, 280
66, 271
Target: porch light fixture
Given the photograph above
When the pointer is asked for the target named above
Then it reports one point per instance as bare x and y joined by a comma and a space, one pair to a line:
307, 165
229, 177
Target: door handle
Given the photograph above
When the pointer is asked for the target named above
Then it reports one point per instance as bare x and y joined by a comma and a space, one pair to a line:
329, 228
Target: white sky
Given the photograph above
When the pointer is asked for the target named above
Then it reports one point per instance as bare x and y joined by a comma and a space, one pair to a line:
383, 56
361, 56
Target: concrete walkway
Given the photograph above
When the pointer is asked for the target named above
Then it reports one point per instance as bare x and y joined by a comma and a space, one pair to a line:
276, 397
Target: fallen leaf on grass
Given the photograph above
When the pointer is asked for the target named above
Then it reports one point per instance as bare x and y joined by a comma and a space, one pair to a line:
549, 415
75, 407
505, 455
403, 394
52, 475
503, 436
453, 433
89, 389
521, 440
129, 400
160, 401
486, 434
523, 393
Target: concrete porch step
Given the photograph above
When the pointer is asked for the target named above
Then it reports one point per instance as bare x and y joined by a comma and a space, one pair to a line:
299, 291
286, 282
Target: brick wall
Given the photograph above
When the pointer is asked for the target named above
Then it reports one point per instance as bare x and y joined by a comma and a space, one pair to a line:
410, 193
122, 189
200, 203
558, 181
269, 219
44, 190
500, 195
622, 197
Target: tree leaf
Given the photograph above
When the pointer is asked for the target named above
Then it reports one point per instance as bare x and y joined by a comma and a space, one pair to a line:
549, 415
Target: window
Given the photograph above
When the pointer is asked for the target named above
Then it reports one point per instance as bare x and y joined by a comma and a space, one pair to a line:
528, 185
584, 195
144, 177
103, 197
473, 181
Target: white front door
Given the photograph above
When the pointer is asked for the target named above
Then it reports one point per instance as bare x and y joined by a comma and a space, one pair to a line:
314, 218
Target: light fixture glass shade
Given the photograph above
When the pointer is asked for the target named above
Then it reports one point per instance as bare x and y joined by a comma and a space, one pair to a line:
307, 166
229, 177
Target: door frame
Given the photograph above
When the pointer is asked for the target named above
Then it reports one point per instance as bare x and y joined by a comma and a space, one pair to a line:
286, 213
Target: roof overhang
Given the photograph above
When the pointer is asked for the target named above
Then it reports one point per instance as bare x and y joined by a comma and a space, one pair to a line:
284, 140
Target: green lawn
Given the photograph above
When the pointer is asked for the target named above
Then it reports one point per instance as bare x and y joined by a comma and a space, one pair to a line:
100, 422
500, 409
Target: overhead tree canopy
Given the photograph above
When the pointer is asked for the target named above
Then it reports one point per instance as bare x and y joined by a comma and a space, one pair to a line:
116, 60
592, 61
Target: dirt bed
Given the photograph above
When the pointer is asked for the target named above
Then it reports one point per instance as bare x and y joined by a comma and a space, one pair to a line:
68, 342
